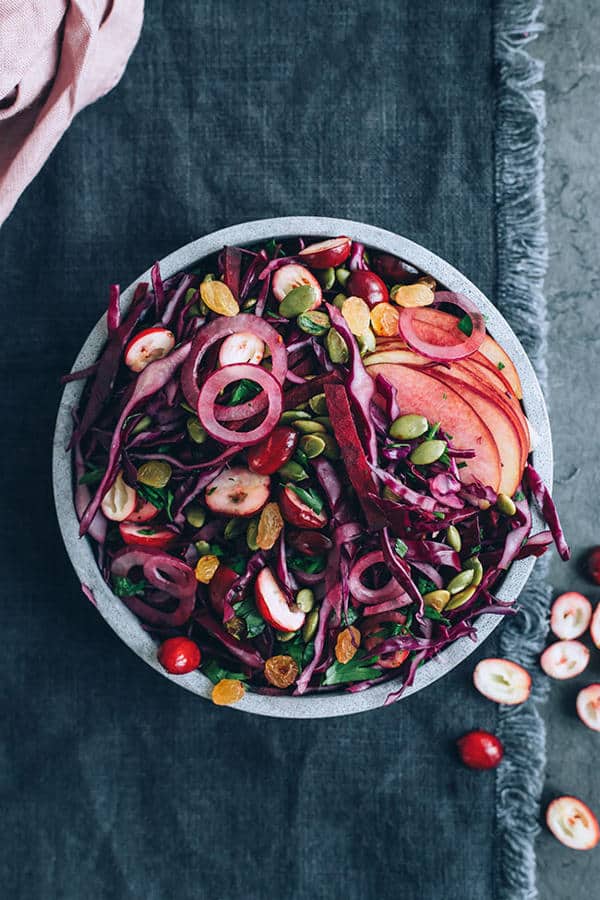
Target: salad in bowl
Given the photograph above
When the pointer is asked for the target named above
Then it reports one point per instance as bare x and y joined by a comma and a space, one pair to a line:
303, 465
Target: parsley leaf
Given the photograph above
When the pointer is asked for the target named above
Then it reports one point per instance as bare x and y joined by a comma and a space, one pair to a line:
501, 366
431, 613
466, 325
309, 564
400, 547
433, 430
244, 390
424, 585
309, 497
350, 617
125, 587
440, 515
519, 496
461, 465
217, 673
246, 610
360, 668
92, 476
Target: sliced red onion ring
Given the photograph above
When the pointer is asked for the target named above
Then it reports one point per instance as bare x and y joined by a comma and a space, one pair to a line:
221, 379
165, 573
389, 591
217, 330
464, 348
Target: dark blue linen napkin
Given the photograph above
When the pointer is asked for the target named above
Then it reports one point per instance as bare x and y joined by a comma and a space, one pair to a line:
119, 784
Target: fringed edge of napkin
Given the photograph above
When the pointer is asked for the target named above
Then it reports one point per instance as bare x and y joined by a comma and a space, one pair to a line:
522, 258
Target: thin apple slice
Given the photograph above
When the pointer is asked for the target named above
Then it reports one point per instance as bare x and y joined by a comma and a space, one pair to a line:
273, 605
573, 823
570, 616
588, 706
502, 681
565, 659
490, 348
419, 392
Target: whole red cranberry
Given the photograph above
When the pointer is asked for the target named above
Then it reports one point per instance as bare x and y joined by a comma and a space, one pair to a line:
480, 750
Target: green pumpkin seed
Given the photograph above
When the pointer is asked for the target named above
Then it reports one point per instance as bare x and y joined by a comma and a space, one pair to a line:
318, 404
305, 600
291, 415
250, 304
336, 347
427, 453
299, 300
473, 563
342, 276
142, 425
195, 430
331, 451
155, 473
252, 534
203, 547
195, 515
460, 581
285, 636
209, 277
453, 538
311, 624
436, 599
312, 445
409, 427
505, 505
314, 322
308, 426
367, 342
234, 528
339, 300
292, 471
461, 598
325, 421
326, 278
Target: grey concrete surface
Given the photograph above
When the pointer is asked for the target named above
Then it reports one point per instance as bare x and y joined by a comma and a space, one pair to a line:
570, 48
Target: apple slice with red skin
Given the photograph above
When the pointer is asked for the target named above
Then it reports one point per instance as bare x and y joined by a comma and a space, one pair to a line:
273, 605
327, 254
292, 276
595, 627
419, 392
565, 659
588, 706
573, 823
570, 615
448, 323
237, 492
298, 513
502, 681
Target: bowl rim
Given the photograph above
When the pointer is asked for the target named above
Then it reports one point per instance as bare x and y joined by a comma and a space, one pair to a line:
127, 626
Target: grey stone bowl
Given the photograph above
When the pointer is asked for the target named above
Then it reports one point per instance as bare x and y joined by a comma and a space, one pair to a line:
80, 551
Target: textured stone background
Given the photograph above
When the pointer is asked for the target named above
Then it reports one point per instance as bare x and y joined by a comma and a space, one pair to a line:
570, 48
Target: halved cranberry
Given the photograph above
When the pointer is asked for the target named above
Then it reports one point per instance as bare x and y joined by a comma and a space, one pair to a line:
298, 513
272, 453
310, 543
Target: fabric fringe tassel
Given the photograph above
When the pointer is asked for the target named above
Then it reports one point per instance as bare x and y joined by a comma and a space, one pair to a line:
522, 258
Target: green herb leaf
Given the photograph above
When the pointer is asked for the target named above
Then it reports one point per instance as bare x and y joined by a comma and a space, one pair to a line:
309, 564
350, 617
360, 668
431, 613
461, 465
466, 325
271, 248
157, 496
217, 673
501, 366
424, 585
217, 551
238, 564
301, 457
244, 390
246, 610
519, 496
440, 515
309, 497
92, 476
125, 587
475, 549
432, 432
400, 547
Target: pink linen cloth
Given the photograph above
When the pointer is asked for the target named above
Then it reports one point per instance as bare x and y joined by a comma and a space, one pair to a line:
56, 56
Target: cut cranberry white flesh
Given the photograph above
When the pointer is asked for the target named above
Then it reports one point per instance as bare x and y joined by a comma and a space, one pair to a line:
291, 276
242, 347
273, 606
120, 501
588, 706
573, 823
571, 614
148, 345
144, 511
326, 254
565, 659
502, 681
238, 492
595, 627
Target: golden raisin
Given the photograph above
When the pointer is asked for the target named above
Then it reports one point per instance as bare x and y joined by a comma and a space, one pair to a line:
269, 527
348, 642
411, 295
226, 691
357, 315
206, 568
219, 298
281, 671
385, 318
